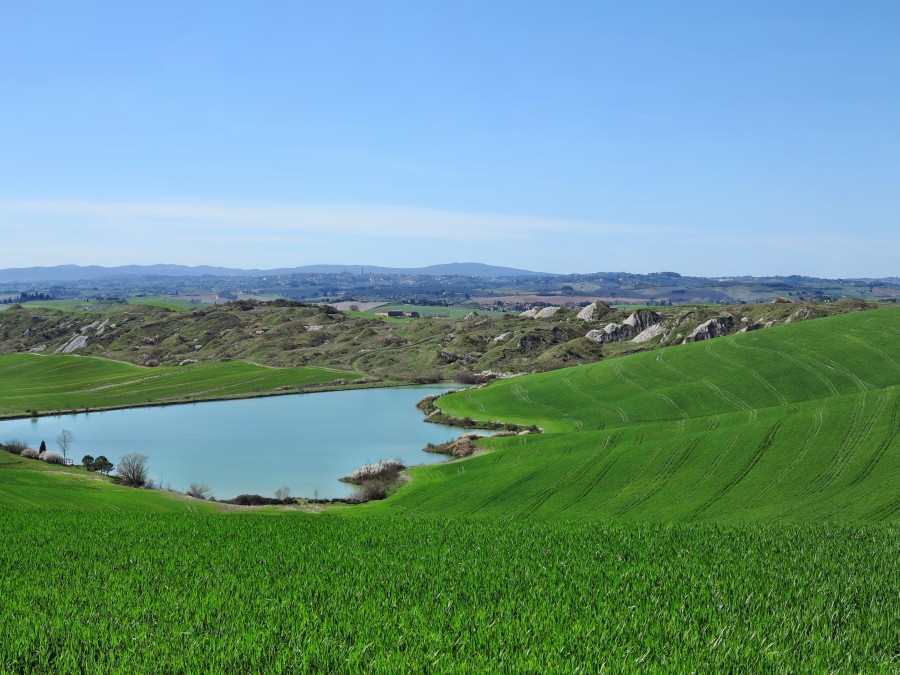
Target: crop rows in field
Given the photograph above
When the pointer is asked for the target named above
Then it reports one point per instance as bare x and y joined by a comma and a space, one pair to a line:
62, 382
838, 355
239, 593
794, 424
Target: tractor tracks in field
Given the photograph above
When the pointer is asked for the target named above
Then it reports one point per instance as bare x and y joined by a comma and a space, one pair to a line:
793, 359
619, 412
617, 369
744, 470
886, 512
740, 366
713, 466
888, 440
661, 478
516, 484
572, 476
857, 434
809, 440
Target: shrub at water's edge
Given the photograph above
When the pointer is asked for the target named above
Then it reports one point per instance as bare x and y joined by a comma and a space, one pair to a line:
435, 415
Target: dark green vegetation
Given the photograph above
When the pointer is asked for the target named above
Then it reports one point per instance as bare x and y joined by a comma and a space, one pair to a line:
793, 424
729, 505
247, 593
44, 384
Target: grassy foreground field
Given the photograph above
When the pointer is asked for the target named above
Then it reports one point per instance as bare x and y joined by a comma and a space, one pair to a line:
245, 593
795, 424
61, 382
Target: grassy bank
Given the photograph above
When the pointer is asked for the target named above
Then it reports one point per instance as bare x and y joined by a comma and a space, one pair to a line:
48, 490
61, 383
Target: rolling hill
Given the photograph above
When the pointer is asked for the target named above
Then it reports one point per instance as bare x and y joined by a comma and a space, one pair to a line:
797, 423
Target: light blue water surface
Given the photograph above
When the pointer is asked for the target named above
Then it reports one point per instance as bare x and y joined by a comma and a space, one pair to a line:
303, 442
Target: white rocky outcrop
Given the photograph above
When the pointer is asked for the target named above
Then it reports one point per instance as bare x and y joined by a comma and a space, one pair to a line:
642, 319
594, 311
77, 342
528, 313
546, 313
648, 334
720, 325
634, 325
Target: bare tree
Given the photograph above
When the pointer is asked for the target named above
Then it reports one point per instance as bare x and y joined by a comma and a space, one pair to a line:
64, 440
132, 469
199, 491
283, 493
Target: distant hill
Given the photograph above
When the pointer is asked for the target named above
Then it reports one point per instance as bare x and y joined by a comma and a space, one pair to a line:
469, 269
81, 273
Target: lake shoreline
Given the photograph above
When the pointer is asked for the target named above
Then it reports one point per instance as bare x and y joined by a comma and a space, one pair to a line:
350, 386
255, 444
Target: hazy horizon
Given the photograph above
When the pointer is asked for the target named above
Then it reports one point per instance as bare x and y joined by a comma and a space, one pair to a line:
709, 139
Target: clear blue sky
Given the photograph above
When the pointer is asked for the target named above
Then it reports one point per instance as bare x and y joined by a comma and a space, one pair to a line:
702, 137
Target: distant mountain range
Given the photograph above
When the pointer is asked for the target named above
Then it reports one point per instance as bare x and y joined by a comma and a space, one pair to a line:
80, 273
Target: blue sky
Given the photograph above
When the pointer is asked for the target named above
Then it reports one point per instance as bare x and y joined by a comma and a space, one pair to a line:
707, 138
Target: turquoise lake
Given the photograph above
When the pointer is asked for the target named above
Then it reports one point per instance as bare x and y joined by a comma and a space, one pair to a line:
303, 442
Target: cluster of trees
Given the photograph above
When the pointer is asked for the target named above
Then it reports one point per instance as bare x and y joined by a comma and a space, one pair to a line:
27, 297
99, 464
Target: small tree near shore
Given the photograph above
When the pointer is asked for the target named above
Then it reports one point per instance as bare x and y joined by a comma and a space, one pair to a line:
64, 440
132, 469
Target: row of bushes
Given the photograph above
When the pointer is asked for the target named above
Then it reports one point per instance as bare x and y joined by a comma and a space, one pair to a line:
49, 456
19, 448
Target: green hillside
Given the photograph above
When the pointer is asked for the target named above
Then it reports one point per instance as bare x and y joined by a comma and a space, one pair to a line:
36, 486
61, 382
792, 424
